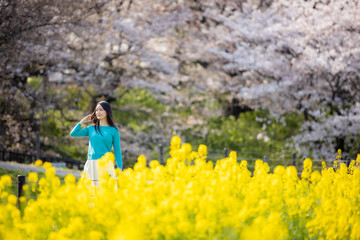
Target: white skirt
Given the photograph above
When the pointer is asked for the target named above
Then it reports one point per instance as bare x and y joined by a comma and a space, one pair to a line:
92, 171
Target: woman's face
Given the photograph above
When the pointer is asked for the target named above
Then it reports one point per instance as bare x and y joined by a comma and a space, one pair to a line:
100, 112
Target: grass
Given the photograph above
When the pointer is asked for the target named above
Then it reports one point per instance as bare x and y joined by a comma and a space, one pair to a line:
14, 177
14, 173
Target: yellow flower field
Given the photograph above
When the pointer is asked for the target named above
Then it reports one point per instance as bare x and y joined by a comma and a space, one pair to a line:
189, 198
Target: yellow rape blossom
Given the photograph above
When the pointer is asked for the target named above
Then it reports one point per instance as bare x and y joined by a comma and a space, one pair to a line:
5, 180
12, 199
32, 177
38, 162
189, 198
47, 165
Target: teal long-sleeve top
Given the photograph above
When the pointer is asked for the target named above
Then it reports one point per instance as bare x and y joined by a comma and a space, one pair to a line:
100, 144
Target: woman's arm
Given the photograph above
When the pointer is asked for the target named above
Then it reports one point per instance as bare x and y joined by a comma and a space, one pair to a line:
117, 150
77, 131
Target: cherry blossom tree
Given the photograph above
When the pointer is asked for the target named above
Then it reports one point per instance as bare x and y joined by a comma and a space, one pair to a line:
93, 44
33, 41
285, 56
297, 56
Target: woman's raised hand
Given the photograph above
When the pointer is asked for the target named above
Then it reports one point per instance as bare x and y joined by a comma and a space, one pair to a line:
86, 119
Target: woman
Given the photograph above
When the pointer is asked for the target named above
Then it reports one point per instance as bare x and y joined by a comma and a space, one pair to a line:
103, 135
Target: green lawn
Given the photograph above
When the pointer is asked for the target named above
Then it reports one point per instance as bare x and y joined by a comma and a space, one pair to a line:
14, 177
14, 173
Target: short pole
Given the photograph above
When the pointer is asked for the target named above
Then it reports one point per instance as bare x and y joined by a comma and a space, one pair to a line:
294, 159
21, 182
226, 152
266, 159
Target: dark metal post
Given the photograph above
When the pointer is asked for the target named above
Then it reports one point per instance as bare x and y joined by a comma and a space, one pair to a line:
21, 182
265, 158
347, 161
294, 159
161, 148
226, 152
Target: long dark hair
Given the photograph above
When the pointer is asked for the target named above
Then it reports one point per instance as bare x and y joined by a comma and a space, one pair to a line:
109, 117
